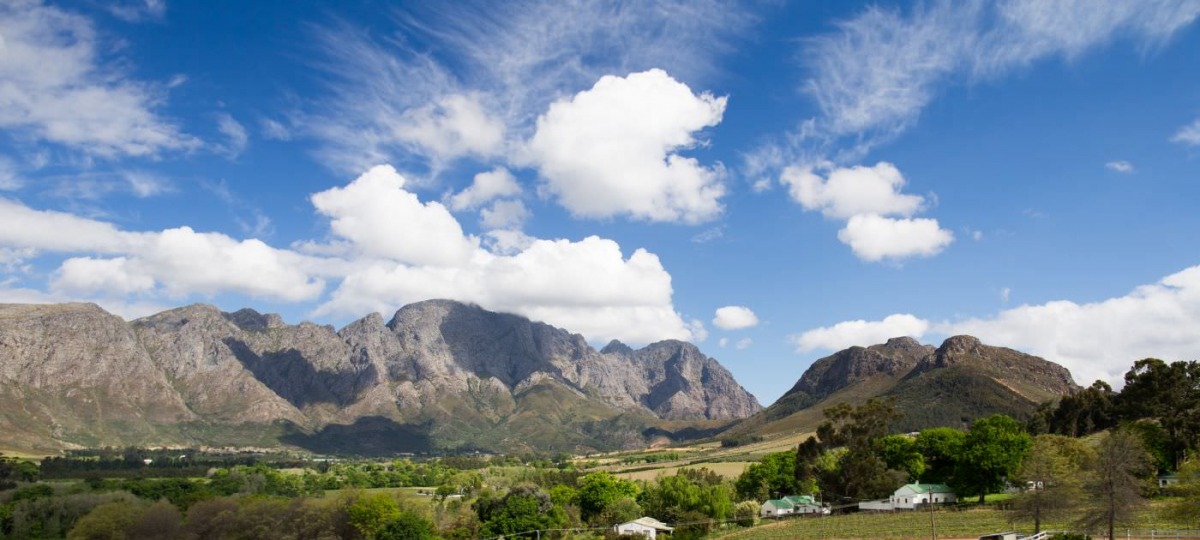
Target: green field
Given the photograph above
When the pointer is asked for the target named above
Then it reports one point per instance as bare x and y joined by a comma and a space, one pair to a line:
916, 525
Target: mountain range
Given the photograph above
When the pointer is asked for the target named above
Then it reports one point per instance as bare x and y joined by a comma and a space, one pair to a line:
439, 376
443, 376
950, 385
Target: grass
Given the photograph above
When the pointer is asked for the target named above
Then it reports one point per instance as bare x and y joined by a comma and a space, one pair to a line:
916, 525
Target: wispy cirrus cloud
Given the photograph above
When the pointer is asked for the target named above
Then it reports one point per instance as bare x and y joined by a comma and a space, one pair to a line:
874, 74
1120, 166
59, 91
481, 76
1188, 135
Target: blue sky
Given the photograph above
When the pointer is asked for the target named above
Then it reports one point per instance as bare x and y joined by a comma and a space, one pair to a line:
773, 181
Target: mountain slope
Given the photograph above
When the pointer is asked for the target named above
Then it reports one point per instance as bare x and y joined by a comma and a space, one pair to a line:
947, 386
439, 375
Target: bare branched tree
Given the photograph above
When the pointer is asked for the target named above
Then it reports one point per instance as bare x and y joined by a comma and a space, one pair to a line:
1050, 477
1115, 482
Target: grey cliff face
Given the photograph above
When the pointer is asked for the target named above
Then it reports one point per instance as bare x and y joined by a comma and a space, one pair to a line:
1032, 371
948, 385
435, 363
849, 366
66, 368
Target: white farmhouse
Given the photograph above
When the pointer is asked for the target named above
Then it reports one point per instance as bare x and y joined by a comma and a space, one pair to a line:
911, 495
645, 526
776, 508
792, 504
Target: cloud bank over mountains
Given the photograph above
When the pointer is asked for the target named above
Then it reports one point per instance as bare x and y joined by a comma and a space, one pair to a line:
1097, 340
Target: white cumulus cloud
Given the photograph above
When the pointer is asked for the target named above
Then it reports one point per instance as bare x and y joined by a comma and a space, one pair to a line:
480, 77
486, 186
613, 150
734, 318
865, 197
1101, 340
852, 191
389, 249
174, 262
1097, 340
381, 219
455, 125
586, 286
861, 333
504, 215
875, 238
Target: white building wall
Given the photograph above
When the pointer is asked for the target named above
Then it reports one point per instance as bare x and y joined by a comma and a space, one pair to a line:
634, 528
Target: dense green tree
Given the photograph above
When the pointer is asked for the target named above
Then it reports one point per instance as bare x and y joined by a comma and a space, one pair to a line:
1170, 394
1075, 415
939, 449
159, 521
1049, 476
598, 490
621, 510
773, 477
1115, 483
670, 498
1187, 507
900, 452
111, 521
746, 513
370, 513
1157, 442
990, 454
807, 454
14, 470
522, 509
212, 519
407, 526
863, 474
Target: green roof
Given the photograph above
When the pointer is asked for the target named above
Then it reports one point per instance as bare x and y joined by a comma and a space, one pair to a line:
800, 499
926, 488
780, 504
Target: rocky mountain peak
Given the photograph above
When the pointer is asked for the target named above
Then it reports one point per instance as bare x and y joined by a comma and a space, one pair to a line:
959, 345
616, 347
252, 321
903, 342
855, 364
456, 373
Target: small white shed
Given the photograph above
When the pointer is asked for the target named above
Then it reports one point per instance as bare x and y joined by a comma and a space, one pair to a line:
645, 526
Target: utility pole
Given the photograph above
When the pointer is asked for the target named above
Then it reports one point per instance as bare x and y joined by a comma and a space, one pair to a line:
932, 523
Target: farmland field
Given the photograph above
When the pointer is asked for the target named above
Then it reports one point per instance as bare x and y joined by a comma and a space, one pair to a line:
916, 525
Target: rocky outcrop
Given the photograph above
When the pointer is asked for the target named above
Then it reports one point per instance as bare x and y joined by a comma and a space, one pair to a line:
1030, 377
950, 385
452, 372
74, 368
844, 368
